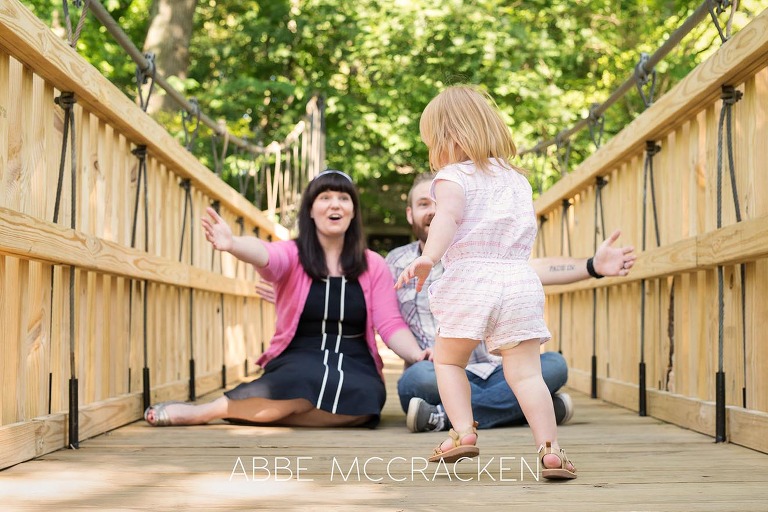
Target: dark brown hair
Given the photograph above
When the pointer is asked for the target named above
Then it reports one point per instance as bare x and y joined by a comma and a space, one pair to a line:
311, 254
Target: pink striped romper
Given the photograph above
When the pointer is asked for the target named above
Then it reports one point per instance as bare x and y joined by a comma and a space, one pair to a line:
489, 290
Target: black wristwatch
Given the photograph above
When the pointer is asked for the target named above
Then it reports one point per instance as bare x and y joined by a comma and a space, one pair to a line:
591, 269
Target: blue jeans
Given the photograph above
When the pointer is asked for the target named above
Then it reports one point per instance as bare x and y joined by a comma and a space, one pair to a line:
493, 403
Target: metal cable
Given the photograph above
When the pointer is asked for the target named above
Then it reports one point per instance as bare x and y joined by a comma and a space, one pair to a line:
599, 230
565, 233
729, 96
541, 240
141, 154
189, 207
651, 149
144, 75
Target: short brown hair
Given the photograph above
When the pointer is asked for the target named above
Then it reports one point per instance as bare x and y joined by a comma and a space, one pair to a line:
418, 180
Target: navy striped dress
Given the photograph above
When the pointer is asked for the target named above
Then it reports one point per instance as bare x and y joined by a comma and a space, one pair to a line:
327, 362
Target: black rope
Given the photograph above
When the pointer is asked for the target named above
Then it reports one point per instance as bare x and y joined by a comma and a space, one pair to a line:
563, 153
141, 154
258, 185
67, 101
565, 232
539, 158
257, 234
643, 77
186, 119
244, 174
189, 208
651, 149
730, 96
716, 8
216, 205
219, 157
596, 125
142, 77
74, 37
598, 234
541, 241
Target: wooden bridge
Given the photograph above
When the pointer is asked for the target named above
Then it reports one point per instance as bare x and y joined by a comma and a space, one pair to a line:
122, 312
625, 463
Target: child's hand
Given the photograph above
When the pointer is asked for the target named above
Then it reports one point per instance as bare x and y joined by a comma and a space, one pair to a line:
217, 231
419, 269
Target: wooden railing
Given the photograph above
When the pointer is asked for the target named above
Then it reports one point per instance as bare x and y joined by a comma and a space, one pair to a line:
679, 331
202, 316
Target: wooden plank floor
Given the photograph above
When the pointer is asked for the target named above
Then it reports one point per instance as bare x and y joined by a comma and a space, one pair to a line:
625, 463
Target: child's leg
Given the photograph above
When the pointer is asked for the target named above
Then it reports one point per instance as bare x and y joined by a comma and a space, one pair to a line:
450, 358
522, 370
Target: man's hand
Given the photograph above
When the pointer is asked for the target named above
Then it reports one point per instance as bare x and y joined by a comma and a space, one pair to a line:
613, 261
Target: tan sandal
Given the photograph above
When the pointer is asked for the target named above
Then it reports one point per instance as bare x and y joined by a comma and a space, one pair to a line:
559, 473
459, 451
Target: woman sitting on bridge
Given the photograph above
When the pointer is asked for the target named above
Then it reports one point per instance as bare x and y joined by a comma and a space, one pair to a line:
322, 368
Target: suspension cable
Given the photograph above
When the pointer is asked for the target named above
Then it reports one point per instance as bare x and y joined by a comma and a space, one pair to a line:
730, 96
66, 100
651, 149
565, 234
674, 39
599, 232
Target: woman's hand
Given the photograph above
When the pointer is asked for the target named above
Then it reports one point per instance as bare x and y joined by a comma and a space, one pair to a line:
419, 269
217, 231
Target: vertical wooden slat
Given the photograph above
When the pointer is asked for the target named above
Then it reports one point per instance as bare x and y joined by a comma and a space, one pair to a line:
52, 125
11, 327
5, 338
756, 118
5, 63
35, 344
23, 339
99, 168
9, 188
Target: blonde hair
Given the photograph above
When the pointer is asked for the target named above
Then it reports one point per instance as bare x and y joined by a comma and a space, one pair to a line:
463, 122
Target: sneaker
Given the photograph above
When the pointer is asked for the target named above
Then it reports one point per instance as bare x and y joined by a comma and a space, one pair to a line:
563, 407
425, 417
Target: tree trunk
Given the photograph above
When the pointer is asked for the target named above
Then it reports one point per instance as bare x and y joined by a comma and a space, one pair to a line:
168, 38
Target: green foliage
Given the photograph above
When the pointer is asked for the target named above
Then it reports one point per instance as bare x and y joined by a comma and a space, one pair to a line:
256, 63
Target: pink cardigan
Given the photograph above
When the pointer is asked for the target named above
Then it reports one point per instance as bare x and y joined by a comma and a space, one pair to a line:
292, 288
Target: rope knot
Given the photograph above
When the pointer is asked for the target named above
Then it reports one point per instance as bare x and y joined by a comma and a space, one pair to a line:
65, 100
140, 152
149, 72
601, 182
652, 148
730, 95
593, 116
185, 184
